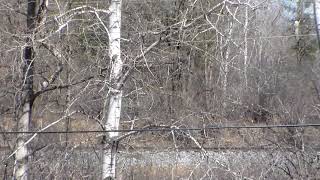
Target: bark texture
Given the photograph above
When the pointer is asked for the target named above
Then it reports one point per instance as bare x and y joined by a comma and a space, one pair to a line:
21, 164
113, 112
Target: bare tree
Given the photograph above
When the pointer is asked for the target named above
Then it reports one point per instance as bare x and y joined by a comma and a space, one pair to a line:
22, 154
113, 107
209, 63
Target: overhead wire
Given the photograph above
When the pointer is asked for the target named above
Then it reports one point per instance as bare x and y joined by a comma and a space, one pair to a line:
164, 129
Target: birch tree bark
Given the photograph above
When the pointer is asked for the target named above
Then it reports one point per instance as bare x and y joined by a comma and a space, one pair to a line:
114, 105
21, 157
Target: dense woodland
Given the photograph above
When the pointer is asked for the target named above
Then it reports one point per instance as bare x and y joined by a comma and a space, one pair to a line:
181, 64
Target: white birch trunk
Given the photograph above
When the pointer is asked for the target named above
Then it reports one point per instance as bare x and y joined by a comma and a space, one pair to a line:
21, 164
298, 20
114, 106
21, 169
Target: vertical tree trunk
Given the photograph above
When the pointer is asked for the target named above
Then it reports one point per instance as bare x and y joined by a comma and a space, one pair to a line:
68, 100
225, 71
316, 8
21, 166
246, 47
224, 68
298, 30
114, 106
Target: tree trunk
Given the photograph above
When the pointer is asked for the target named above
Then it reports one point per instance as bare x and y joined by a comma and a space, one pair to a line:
21, 157
224, 67
246, 48
114, 107
317, 18
316, 8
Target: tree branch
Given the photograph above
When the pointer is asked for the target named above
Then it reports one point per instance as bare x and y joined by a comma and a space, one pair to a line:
38, 93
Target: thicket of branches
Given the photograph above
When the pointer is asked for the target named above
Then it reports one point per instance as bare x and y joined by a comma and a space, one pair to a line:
185, 64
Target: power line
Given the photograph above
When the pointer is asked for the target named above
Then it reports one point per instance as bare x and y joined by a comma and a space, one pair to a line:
255, 37
159, 129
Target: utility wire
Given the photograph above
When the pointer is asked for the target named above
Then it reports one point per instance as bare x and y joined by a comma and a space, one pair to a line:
160, 129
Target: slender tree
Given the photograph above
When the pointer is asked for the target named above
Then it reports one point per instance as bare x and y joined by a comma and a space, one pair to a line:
112, 115
21, 166
317, 18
